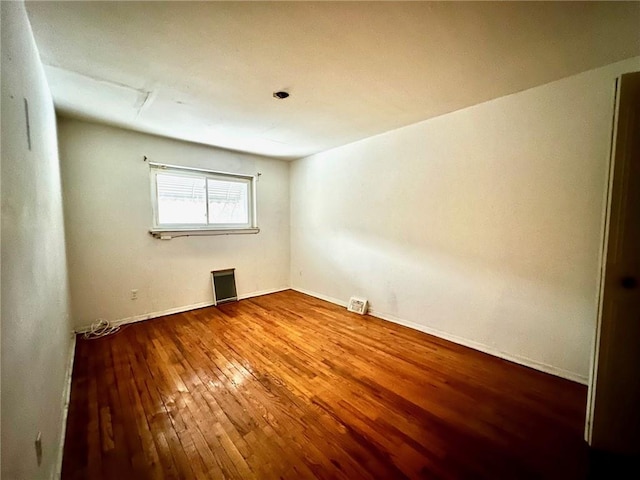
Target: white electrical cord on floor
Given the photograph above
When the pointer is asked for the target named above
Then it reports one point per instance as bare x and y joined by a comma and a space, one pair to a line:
100, 328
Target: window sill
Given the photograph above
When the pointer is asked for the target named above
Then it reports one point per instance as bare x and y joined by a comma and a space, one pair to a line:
168, 234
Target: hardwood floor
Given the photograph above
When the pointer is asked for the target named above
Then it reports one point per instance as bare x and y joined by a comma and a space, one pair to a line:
288, 386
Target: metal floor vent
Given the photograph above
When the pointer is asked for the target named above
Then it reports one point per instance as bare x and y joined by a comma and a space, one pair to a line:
224, 286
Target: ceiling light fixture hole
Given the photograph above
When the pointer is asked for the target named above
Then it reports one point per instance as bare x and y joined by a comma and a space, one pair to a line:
280, 95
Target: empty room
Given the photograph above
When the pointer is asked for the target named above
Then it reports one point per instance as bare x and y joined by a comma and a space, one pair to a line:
333, 240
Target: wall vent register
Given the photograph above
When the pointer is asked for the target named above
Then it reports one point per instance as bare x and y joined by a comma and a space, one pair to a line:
223, 283
358, 305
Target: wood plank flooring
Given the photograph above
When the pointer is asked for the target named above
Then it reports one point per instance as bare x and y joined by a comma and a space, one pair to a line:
288, 386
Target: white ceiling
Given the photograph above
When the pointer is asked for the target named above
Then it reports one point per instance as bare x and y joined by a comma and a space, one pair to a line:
205, 72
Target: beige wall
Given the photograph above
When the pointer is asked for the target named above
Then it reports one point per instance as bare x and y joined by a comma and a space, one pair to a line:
482, 226
108, 215
36, 330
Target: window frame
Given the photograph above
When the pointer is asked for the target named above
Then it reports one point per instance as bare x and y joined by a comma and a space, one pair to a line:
185, 229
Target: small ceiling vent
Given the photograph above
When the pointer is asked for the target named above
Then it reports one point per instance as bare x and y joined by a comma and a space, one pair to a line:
358, 305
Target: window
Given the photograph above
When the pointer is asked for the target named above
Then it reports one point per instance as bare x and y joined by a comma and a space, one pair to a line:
201, 202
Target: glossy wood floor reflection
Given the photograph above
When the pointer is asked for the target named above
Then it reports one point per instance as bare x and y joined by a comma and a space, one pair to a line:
288, 386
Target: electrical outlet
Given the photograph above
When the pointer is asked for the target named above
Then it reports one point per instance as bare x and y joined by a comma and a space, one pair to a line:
134, 294
38, 443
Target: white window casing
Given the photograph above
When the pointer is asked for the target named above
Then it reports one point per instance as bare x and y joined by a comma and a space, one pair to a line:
191, 201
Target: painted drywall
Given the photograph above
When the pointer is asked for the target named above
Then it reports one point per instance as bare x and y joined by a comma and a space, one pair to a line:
483, 225
354, 69
108, 214
36, 329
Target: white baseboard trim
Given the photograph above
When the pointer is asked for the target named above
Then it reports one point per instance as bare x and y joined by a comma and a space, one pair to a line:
148, 316
66, 397
262, 292
326, 298
519, 359
185, 308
